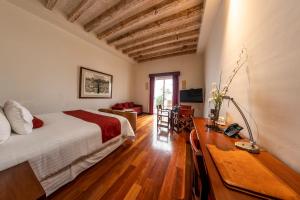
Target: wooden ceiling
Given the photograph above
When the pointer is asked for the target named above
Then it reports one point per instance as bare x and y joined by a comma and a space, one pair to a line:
143, 29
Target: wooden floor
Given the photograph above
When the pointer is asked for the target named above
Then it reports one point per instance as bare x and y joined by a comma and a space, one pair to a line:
154, 166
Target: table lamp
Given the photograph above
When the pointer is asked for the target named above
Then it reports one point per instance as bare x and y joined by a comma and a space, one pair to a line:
248, 146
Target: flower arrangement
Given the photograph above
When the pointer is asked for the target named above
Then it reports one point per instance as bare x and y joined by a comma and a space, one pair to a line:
217, 93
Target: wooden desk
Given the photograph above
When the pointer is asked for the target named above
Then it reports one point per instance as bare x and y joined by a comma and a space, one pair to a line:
218, 189
20, 182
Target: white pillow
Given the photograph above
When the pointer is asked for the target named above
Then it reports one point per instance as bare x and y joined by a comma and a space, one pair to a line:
5, 128
19, 117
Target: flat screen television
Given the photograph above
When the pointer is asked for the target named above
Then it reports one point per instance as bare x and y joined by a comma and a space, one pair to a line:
191, 95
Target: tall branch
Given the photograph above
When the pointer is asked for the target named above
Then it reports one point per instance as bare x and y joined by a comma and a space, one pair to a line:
242, 60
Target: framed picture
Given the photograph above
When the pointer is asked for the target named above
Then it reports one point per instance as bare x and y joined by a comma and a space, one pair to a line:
94, 84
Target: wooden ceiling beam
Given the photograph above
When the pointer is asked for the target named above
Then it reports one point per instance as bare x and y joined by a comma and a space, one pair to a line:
112, 12
166, 52
168, 55
152, 11
175, 18
113, 41
80, 9
177, 29
165, 46
175, 37
50, 4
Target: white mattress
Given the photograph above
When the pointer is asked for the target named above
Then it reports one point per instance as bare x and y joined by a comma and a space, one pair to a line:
62, 140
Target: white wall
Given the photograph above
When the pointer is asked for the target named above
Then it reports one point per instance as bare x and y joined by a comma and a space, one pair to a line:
269, 88
190, 67
39, 64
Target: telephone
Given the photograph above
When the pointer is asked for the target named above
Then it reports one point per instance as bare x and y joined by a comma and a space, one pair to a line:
233, 130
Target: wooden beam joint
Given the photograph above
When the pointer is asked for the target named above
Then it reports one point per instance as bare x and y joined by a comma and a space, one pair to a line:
176, 37
80, 9
183, 15
50, 4
164, 46
110, 13
168, 55
166, 52
154, 10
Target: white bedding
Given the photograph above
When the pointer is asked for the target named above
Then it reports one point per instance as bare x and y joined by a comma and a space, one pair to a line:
60, 142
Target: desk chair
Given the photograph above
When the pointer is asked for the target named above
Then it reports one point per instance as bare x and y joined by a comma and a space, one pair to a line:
199, 173
186, 107
163, 117
185, 119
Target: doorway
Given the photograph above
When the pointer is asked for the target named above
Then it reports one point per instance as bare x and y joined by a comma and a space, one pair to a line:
167, 86
163, 92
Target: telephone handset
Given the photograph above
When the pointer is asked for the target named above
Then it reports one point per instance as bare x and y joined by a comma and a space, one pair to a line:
233, 130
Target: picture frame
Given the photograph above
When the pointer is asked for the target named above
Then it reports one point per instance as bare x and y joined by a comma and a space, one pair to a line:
95, 84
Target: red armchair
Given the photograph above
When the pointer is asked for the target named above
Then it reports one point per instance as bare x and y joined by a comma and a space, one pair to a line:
128, 106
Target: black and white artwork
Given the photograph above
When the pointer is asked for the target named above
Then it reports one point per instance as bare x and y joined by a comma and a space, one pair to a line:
94, 84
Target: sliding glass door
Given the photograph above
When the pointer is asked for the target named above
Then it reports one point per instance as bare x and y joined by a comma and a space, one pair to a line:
163, 92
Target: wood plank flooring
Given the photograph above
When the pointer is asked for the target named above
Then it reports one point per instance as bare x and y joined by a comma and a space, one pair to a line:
154, 166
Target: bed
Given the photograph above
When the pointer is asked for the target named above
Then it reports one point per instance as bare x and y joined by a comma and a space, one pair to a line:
63, 148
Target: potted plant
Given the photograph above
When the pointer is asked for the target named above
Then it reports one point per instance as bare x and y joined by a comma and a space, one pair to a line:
218, 92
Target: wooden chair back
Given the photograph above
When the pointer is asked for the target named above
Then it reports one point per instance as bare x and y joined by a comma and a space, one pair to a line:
196, 151
163, 117
159, 107
186, 107
200, 181
189, 113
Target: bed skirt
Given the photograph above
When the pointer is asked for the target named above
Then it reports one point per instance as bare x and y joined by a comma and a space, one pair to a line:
69, 173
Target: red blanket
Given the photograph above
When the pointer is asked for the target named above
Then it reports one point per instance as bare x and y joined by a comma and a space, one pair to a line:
110, 126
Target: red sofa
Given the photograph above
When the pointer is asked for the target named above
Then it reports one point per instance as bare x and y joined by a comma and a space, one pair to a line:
128, 106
